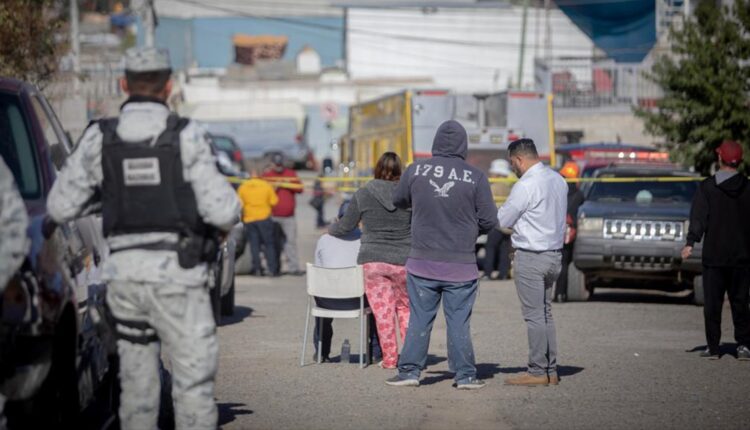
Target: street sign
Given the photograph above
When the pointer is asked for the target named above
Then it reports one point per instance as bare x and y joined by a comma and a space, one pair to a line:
330, 111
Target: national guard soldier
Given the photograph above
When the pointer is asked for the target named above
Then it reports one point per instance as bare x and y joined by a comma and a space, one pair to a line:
14, 243
160, 194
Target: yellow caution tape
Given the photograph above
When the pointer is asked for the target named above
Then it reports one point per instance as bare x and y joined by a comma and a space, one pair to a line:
618, 180
352, 184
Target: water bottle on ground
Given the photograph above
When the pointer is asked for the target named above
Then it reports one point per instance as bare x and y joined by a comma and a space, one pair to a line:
345, 348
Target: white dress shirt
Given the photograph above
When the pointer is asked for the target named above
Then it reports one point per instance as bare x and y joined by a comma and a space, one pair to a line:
536, 210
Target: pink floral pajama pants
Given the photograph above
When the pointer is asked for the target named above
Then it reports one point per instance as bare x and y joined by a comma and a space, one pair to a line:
385, 286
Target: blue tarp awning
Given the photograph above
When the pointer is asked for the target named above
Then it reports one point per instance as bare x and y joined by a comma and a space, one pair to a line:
624, 29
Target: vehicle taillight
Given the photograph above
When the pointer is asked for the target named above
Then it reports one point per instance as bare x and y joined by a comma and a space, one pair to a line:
298, 138
237, 155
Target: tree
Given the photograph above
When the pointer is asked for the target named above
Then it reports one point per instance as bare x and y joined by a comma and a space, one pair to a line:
706, 85
30, 45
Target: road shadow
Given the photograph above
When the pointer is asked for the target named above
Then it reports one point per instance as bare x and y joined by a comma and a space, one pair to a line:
489, 370
228, 412
239, 315
434, 359
562, 371
437, 376
724, 349
354, 359
617, 295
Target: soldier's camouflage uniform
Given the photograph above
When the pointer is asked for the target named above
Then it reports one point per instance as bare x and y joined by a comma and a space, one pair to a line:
149, 285
14, 242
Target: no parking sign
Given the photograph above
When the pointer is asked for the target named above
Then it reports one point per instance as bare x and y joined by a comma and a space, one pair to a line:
330, 111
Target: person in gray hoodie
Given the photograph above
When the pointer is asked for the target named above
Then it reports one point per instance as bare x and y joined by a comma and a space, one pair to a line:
386, 240
451, 205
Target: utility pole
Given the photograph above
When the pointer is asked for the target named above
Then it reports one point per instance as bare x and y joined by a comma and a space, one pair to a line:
75, 44
536, 30
523, 43
148, 23
547, 31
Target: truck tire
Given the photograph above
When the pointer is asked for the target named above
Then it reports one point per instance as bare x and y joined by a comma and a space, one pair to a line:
227, 302
698, 293
578, 291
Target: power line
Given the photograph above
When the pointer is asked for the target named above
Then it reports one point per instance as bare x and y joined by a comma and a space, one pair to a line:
399, 37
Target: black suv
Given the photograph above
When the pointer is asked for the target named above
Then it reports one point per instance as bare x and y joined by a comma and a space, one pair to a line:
54, 360
634, 231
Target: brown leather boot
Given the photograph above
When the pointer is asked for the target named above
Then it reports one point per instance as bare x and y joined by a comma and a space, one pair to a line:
527, 379
554, 380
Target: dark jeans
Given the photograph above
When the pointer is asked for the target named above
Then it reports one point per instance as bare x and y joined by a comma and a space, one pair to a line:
497, 253
320, 219
424, 299
262, 232
734, 281
561, 286
341, 305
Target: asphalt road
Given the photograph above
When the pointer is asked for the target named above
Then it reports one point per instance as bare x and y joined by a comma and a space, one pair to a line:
627, 360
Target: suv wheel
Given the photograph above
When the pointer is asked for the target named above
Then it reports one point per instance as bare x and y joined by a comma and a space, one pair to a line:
578, 291
698, 294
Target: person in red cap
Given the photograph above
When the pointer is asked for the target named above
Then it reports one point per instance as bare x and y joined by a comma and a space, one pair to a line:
718, 216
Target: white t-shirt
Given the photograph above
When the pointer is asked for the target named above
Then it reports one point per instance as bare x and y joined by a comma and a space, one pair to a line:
334, 253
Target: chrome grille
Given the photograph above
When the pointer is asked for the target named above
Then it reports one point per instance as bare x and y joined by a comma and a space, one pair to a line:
643, 230
642, 263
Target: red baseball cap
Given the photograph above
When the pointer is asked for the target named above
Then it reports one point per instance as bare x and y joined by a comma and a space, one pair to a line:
730, 152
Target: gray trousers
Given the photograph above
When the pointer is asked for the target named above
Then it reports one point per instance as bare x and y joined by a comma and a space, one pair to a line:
534, 275
289, 225
182, 318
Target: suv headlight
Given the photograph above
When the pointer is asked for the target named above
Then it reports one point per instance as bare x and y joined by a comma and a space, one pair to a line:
590, 225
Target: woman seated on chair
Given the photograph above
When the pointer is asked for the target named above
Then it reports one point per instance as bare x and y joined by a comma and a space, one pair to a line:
386, 242
335, 253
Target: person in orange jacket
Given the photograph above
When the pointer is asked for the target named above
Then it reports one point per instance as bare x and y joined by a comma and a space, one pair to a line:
258, 199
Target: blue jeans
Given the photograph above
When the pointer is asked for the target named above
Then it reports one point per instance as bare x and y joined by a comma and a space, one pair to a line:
262, 232
424, 299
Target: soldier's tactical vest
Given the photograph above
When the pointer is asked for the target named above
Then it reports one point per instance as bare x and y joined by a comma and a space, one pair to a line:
144, 189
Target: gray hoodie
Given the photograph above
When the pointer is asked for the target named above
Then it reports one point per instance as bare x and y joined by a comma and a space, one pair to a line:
450, 199
386, 230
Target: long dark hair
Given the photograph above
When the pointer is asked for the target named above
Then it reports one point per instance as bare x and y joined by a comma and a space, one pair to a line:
388, 167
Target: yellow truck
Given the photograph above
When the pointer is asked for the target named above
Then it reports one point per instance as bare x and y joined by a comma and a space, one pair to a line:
406, 122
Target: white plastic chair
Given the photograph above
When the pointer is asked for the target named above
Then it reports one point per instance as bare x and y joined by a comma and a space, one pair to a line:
346, 283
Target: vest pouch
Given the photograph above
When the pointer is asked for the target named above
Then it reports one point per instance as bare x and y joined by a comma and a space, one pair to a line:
190, 250
210, 247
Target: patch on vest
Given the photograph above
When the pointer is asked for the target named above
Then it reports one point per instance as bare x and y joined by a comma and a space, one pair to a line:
141, 171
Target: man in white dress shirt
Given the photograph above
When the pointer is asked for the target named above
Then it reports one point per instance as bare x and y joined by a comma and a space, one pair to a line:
535, 211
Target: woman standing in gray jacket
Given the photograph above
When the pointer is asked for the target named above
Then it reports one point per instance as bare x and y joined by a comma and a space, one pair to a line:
386, 241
